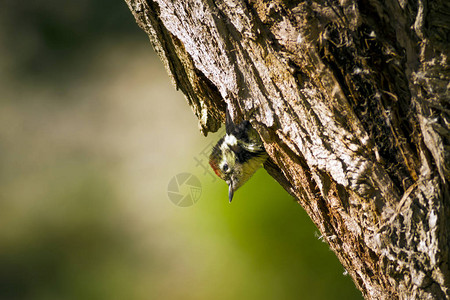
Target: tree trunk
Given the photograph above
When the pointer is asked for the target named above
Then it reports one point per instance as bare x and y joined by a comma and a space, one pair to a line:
351, 99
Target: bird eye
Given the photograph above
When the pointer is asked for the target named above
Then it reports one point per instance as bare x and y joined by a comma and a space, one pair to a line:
225, 167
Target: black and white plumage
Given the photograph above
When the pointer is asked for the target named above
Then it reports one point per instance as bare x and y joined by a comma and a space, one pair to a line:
237, 155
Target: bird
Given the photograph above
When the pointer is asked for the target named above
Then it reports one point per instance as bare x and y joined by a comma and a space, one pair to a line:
238, 154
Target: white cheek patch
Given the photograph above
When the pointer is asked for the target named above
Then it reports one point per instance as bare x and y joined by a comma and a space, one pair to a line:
230, 140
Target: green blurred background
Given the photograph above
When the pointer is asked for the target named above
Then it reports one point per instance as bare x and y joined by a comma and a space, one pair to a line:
91, 133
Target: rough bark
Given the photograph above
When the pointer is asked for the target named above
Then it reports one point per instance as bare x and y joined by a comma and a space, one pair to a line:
351, 99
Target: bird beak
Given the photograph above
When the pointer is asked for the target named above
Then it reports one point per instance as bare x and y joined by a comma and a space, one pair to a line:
230, 191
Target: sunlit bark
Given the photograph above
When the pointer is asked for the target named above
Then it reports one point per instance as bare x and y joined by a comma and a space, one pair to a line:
351, 99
